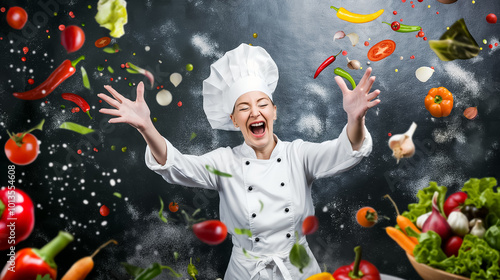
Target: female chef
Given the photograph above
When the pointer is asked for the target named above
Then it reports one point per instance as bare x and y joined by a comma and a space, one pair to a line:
265, 170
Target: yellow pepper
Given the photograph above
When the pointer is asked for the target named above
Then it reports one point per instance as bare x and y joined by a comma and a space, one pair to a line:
321, 276
344, 14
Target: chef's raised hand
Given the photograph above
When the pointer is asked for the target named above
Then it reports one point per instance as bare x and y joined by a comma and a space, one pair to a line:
135, 113
357, 102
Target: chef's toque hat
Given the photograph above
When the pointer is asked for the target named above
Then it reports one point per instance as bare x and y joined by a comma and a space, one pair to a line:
241, 70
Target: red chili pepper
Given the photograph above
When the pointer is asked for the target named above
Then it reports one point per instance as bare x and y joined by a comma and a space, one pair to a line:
359, 269
62, 72
78, 100
325, 63
17, 217
30, 262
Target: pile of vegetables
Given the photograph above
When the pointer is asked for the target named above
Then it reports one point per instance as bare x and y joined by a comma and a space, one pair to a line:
460, 234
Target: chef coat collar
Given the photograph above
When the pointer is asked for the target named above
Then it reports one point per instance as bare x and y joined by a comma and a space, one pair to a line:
249, 152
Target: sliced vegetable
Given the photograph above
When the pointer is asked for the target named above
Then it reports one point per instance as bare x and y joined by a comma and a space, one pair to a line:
164, 97
354, 37
381, 50
76, 128
102, 42
455, 43
242, 231
175, 79
138, 70
85, 78
424, 73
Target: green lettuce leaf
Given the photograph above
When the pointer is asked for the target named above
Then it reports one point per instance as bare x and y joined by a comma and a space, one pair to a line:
482, 193
424, 204
112, 14
455, 43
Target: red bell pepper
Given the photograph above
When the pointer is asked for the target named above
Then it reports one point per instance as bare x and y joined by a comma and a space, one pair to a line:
359, 269
62, 72
78, 100
29, 262
17, 217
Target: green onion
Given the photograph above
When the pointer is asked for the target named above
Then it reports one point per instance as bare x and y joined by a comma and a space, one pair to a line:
217, 172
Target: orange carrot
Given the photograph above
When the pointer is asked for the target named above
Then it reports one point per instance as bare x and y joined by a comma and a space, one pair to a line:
83, 266
404, 222
402, 239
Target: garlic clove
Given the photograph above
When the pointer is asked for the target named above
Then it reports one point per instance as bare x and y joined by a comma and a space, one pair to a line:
353, 64
402, 144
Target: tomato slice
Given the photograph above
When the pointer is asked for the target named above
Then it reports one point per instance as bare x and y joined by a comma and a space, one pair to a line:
102, 42
381, 50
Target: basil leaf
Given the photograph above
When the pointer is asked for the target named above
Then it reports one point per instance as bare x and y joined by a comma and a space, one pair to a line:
299, 257
193, 135
76, 128
154, 270
45, 277
119, 195
131, 269
85, 78
160, 213
217, 172
455, 43
108, 50
243, 231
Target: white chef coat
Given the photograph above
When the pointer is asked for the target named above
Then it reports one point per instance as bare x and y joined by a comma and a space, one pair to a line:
270, 197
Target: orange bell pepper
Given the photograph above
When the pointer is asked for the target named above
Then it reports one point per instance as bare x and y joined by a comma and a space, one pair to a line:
439, 102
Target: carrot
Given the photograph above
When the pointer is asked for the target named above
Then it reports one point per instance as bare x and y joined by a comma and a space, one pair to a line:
83, 266
404, 222
402, 239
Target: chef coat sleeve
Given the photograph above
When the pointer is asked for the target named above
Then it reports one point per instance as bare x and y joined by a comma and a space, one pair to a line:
332, 157
186, 170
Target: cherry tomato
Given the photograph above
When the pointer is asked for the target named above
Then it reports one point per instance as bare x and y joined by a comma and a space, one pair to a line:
25, 154
421, 34
395, 25
23, 214
490, 18
17, 17
102, 42
104, 210
72, 38
173, 207
381, 50
452, 246
211, 232
366, 217
453, 202
310, 225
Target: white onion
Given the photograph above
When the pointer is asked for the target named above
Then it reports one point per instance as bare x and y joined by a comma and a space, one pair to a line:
176, 79
424, 73
164, 97
354, 38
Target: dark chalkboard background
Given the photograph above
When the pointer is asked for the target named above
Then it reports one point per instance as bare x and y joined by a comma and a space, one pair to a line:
299, 36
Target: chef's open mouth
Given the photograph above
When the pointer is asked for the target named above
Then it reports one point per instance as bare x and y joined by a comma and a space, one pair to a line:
258, 128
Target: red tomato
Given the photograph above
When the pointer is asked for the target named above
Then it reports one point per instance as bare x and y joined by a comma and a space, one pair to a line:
104, 210
212, 232
173, 207
452, 246
453, 202
310, 225
25, 154
23, 214
395, 25
17, 17
490, 18
381, 50
72, 38
102, 42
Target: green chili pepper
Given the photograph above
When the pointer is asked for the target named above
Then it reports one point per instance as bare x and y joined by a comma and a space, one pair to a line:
76, 127
403, 28
85, 78
342, 73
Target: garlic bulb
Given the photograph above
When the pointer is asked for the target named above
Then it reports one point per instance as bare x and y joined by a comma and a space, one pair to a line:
478, 230
459, 223
402, 144
421, 219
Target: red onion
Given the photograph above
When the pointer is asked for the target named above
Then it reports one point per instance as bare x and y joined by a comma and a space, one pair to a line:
436, 222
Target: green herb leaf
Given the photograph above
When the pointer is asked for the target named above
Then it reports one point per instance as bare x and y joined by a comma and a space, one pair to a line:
119, 195
424, 204
299, 257
248, 255
76, 128
176, 256
100, 68
160, 214
261, 205
45, 277
85, 78
154, 270
243, 231
217, 172
482, 193
191, 269
131, 269
455, 43
108, 50
193, 135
